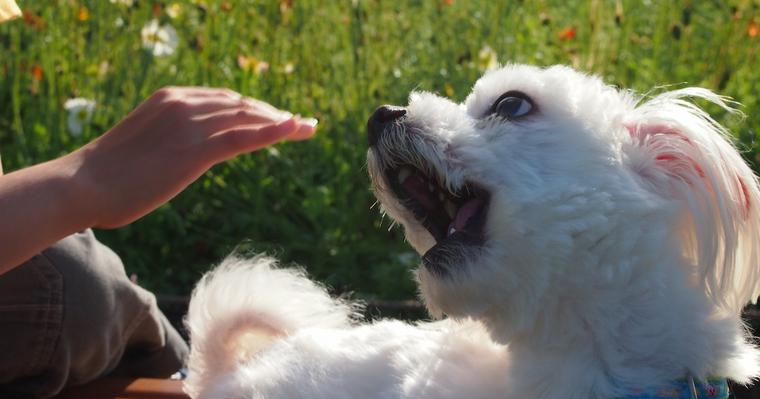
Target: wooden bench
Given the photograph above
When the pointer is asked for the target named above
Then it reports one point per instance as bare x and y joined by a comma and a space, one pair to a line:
126, 388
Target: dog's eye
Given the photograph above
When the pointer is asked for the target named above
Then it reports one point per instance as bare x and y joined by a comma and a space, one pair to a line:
512, 105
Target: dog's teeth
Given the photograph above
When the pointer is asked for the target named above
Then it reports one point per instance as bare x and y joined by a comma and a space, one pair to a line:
451, 209
452, 231
403, 174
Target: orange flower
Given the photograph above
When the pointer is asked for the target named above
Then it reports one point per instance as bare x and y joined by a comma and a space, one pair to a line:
226, 6
447, 2
83, 14
753, 30
36, 73
567, 33
33, 20
36, 79
29, 16
156, 10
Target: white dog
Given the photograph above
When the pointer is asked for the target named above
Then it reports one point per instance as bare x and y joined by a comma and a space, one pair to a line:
581, 241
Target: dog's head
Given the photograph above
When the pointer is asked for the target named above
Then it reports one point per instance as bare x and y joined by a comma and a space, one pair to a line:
547, 185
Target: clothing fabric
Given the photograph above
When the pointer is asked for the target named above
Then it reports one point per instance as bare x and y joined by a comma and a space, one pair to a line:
70, 315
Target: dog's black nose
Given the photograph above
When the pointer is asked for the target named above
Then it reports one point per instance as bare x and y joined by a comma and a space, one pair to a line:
383, 115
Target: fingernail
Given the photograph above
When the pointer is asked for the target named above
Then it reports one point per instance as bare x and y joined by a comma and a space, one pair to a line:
309, 121
286, 115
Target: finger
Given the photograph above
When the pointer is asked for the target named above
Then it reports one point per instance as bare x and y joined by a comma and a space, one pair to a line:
232, 117
172, 94
244, 139
262, 105
249, 106
208, 92
199, 107
205, 92
306, 129
194, 94
212, 92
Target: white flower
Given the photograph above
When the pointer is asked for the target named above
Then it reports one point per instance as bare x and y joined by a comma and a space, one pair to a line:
128, 3
159, 40
80, 113
119, 22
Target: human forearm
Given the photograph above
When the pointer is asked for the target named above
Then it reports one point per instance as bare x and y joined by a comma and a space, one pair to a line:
40, 205
145, 160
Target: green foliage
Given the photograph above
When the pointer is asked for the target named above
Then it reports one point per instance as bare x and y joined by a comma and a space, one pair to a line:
310, 202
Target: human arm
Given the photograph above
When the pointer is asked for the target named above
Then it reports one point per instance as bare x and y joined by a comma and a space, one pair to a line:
142, 162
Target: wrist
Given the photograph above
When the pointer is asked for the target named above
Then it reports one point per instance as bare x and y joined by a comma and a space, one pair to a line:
76, 191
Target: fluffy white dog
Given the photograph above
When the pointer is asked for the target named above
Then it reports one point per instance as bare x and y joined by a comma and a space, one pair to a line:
581, 242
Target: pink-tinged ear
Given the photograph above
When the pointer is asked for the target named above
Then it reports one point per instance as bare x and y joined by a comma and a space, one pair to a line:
677, 157
684, 156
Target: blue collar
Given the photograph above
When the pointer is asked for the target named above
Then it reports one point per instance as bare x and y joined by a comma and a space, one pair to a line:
686, 388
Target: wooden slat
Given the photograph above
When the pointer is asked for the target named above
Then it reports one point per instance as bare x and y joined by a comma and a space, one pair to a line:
124, 388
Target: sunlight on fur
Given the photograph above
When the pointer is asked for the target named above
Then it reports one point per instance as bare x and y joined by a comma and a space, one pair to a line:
247, 344
577, 241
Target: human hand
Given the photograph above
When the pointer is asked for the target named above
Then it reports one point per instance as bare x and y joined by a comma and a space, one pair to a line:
166, 143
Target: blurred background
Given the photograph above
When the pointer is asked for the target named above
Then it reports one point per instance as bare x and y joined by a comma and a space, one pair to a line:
71, 69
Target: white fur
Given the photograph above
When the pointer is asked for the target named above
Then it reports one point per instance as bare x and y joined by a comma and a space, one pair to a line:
621, 244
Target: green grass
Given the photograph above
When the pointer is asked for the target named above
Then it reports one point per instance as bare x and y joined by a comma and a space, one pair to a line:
310, 202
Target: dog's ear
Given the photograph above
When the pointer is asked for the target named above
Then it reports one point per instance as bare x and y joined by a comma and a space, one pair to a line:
682, 153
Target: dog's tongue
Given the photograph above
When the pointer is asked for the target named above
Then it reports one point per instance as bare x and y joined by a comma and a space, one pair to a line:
417, 187
466, 211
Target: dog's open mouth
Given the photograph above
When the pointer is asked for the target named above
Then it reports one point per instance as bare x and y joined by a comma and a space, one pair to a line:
452, 218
